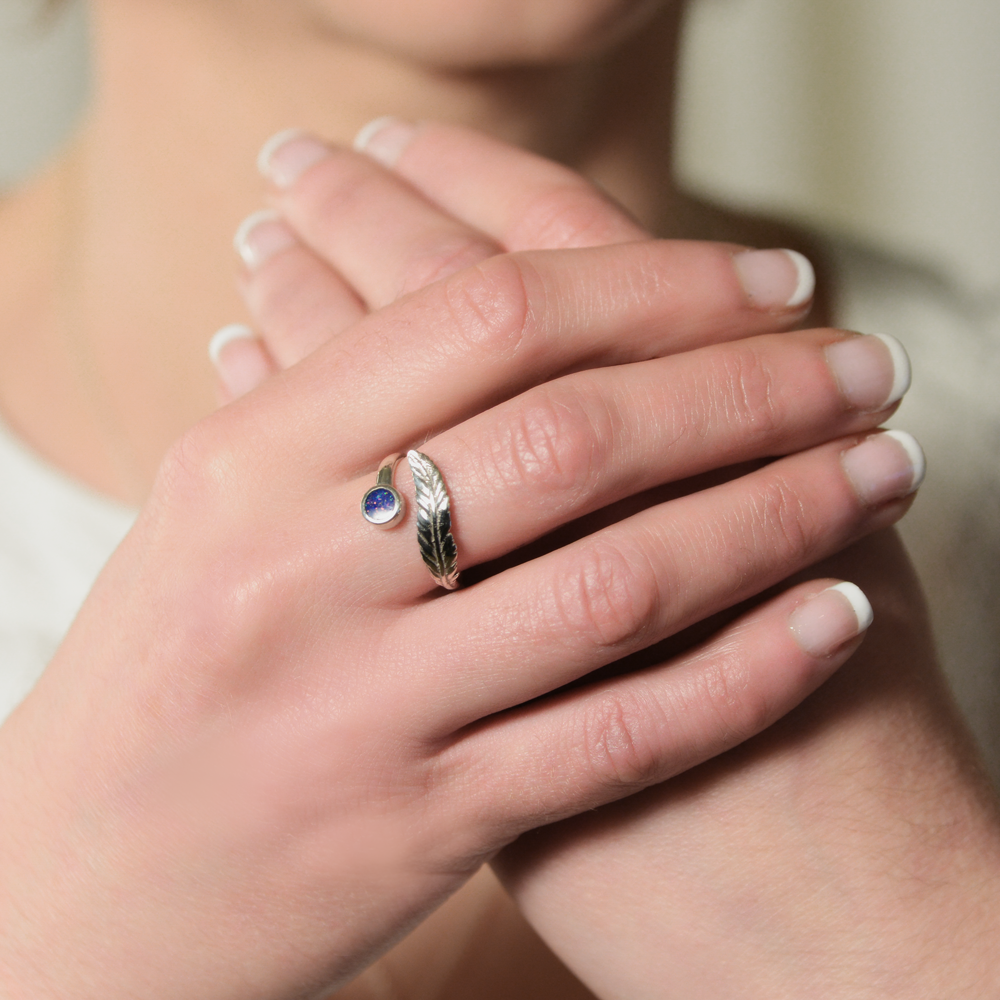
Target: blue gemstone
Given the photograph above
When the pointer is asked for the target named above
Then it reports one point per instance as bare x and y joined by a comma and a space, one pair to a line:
380, 505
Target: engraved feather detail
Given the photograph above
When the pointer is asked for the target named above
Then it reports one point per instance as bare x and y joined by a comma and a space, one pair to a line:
437, 546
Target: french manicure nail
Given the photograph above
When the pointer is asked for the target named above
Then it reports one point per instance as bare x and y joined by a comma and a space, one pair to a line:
873, 371
285, 157
384, 139
234, 331
240, 359
262, 236
885, 466
775, 279
825, 621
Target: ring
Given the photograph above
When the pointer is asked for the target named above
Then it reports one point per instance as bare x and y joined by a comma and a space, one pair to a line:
383, 505
437, 544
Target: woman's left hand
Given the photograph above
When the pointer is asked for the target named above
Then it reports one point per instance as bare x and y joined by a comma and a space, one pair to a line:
349, 236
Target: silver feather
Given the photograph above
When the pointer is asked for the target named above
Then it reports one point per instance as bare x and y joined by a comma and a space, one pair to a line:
437, 546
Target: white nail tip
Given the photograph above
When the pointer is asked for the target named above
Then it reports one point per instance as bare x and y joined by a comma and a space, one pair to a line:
916, 455
234, 331
370, 130
807, 280
859, 604
246, 227
901, 368
272, 146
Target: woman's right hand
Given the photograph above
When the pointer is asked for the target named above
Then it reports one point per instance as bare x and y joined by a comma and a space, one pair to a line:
269, 745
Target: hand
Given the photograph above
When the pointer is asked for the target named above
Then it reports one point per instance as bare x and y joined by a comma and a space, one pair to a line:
263, 752
651, 894
850, 851
350, 237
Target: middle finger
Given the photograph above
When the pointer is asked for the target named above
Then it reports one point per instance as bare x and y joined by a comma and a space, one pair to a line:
583, 442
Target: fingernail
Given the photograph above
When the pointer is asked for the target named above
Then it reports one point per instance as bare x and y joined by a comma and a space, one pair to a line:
262, 236
885, 466
775, 279
873, 371
830, 618
285, 157
384, 139
239, 358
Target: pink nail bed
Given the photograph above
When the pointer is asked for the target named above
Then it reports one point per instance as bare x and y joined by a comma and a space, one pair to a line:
885, 467
262, 236
384, 139
775, 279
240, 359
873, 372
285, 157
825, 621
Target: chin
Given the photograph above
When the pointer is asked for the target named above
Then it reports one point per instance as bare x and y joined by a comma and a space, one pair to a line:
488, 34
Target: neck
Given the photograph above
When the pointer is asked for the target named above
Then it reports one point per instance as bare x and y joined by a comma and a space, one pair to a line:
162, 172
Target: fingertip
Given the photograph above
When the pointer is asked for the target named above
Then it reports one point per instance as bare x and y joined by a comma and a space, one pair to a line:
805, 284
287, 155
825, 622
224, 336
384, 139
240, 359
775, 279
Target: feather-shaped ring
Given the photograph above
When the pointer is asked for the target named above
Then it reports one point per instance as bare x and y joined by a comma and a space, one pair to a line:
437, 545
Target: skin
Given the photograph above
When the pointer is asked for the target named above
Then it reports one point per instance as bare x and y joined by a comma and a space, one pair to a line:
143, 347
755, 905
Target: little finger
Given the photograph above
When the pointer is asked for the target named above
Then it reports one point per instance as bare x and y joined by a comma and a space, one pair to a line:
580, 749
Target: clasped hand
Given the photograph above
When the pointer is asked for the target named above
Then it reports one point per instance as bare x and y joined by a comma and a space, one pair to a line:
270, 745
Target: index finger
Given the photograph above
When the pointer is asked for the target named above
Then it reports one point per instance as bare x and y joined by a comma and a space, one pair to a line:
522, 200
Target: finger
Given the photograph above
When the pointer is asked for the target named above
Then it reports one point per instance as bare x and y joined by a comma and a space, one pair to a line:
384, 237
492, 331
592, 745
581, 443
297, 301
524, 201
241, 361
643, 579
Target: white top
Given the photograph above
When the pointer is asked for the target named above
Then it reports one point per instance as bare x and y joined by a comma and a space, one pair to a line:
56, 534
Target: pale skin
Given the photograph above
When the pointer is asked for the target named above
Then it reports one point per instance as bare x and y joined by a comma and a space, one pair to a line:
328, 892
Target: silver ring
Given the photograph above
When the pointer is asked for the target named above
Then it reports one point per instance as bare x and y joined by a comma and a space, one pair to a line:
383, 505
437, 545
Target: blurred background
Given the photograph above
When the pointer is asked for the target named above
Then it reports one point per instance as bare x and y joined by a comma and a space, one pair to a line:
877, 119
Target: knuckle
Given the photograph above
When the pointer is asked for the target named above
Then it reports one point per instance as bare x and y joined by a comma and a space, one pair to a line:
726, 691
749, 395
571, 214
195, 465
606, 598
286, 297
551, 446
786, 527
616, 740
341, 187
442, 257
490, 307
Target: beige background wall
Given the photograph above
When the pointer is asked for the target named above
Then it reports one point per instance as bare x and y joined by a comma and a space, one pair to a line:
879, 118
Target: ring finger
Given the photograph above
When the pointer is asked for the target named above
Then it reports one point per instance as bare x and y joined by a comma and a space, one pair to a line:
578, 444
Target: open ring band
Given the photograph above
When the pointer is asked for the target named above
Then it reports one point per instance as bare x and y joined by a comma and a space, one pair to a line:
437, 545
383, 505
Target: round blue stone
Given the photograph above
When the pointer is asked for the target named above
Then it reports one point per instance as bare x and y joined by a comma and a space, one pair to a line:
380, 505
